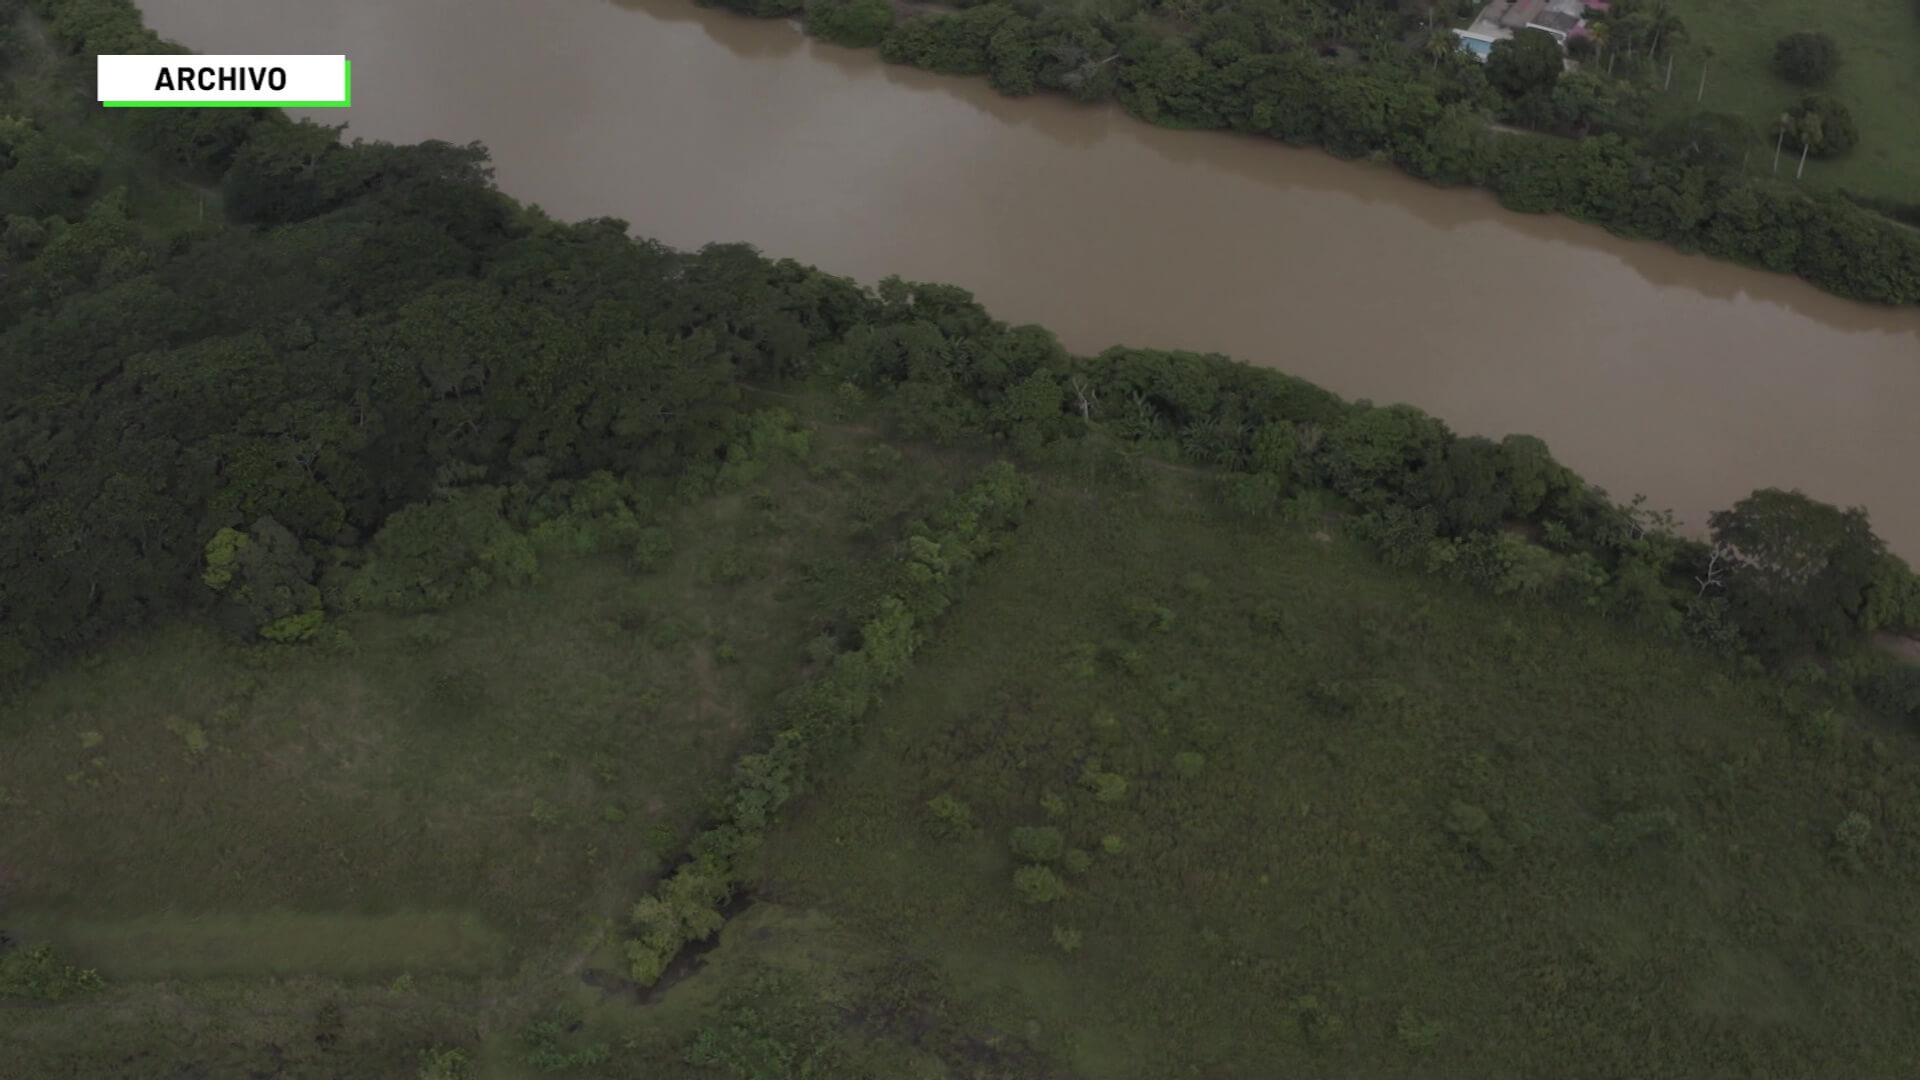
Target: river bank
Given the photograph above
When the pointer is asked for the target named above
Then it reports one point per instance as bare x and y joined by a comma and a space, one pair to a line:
1639, 170
1221, 685
1689, 380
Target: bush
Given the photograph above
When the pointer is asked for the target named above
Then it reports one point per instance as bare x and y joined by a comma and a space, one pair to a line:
857, 24
683, 908
1106, 787
438, 1064
1853, 832
1315, 1023
650, 548
1820, 730
1039, 844
1806, 59
1144, 614
545, 1044
731, 566
1891, 689
1628, 831
432, 555
1837, 131
35, 974
1038, 885
948, 816
423, 634
1417, 1032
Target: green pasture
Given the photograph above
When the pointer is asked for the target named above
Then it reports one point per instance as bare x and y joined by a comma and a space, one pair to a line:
1879, 81
1319, 820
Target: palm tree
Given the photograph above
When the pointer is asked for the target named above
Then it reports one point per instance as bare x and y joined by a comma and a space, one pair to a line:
1809, 134
1661, 20
1706, 57
1804, 127
1441, 44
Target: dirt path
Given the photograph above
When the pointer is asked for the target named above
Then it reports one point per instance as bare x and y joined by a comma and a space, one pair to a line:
1903, 647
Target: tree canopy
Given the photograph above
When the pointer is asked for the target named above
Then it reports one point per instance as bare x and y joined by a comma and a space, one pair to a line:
1802, 568
1823, 124
1531, 60
1807, 58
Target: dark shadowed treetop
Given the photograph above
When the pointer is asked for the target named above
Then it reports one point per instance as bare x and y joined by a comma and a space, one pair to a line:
1712, 140
1529, 60
1807, 58
1804, 567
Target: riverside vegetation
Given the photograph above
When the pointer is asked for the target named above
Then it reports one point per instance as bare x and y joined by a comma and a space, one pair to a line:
445, 642
1612, 142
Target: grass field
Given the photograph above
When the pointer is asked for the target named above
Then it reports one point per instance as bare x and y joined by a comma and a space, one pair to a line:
456, 801
1315, 819
1879, 80
1335, 822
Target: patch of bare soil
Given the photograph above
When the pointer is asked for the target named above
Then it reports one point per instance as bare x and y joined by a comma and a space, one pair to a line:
1905, 647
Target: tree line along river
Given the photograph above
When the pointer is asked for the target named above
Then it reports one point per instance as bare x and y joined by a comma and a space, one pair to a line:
1646, 370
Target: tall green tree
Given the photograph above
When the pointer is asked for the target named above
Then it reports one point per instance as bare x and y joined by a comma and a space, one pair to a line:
1807, 58
1528, 62
1801, 569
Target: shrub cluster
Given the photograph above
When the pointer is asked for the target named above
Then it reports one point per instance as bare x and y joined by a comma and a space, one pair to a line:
34, 973
929, 575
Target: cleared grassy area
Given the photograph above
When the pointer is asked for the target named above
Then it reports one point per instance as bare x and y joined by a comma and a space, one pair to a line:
1879, 81
297, 1027
496, 756
1341, 822
1317, 819
341, 946
485, 769
416, 837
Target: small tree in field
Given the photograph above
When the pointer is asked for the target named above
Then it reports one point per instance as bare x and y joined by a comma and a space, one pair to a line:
1829, 124
948, 817
1038, 885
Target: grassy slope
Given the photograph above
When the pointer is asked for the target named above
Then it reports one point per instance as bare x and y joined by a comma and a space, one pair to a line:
200, 813
1879, 81
1297, 907
1343, 714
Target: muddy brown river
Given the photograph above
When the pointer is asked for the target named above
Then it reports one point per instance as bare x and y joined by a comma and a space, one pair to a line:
1648, 371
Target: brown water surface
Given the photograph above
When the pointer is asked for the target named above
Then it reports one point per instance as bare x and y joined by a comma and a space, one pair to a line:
1647, 370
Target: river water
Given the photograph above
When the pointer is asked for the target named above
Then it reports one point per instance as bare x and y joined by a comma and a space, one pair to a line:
1647, 371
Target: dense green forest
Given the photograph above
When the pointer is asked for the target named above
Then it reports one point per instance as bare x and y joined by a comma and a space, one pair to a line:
1387, 81
443, 641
